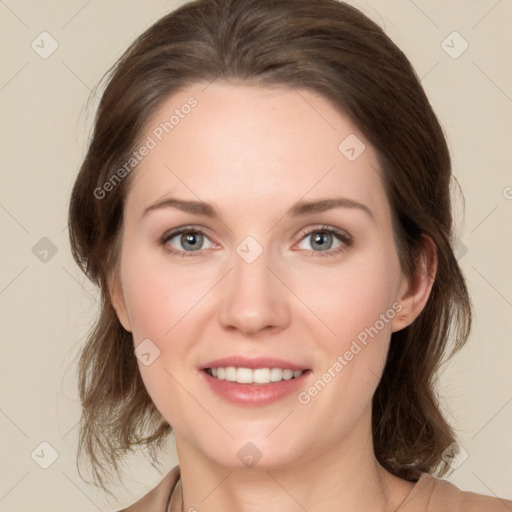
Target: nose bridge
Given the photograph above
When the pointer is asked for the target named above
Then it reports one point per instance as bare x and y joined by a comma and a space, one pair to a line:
254, 298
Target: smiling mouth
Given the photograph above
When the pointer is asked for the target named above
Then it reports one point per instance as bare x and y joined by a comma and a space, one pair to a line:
253, 376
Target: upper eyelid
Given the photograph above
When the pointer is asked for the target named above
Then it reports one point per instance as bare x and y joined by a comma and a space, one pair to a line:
331, 229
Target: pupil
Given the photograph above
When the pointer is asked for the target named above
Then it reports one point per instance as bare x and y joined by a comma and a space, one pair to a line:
317, 239
190, 239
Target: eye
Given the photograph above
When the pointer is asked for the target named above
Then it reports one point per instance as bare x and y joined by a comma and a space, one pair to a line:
188, 240
323, 238
185, 240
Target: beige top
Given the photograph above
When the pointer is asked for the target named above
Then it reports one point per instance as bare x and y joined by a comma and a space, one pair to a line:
430, 494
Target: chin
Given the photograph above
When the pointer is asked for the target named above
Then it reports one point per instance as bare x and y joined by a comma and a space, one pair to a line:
256, 453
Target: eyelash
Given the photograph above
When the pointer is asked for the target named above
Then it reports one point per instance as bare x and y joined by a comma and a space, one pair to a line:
342, 237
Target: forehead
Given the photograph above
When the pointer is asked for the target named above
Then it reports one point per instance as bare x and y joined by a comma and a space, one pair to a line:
249, 146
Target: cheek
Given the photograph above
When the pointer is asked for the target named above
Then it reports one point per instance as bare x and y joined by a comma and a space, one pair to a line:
352, 299
159, 301
162, 301
371, 306
158, 294
353, 359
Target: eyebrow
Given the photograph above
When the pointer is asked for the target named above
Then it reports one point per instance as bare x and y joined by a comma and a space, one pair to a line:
300, 209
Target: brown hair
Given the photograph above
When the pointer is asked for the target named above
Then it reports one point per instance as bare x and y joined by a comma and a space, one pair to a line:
330, 48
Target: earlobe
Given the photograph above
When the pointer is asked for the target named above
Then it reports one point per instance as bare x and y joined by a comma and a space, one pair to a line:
414, 295
118, 302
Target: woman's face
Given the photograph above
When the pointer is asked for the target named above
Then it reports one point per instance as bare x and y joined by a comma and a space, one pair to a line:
258, 283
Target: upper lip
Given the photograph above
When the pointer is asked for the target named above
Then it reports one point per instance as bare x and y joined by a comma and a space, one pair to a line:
253, 363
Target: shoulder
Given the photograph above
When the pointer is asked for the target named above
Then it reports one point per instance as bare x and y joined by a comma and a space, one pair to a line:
465, 501
156, 499
433, 494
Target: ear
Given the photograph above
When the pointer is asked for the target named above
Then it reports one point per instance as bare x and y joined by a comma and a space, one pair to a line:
117, 299
414, 293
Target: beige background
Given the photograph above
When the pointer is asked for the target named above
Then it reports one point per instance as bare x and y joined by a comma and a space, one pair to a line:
47, 306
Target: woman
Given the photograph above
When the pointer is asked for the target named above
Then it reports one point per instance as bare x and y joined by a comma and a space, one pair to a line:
265, 206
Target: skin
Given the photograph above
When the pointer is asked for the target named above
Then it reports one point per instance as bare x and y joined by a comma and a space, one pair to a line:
252, 153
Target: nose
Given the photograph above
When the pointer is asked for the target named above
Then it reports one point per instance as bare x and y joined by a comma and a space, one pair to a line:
254, 298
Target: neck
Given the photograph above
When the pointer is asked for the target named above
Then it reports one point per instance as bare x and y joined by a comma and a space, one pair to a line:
347, 477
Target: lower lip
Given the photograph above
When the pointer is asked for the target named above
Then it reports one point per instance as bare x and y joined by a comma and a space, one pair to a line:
255, 395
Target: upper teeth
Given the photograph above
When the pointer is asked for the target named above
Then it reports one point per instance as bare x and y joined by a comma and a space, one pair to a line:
257, 376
